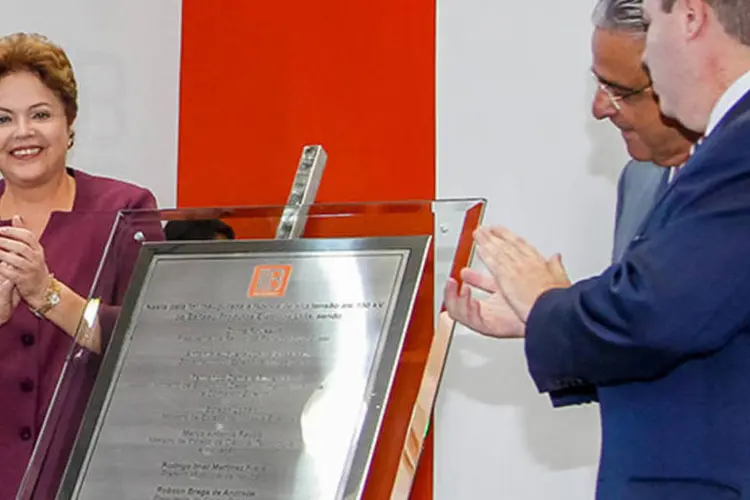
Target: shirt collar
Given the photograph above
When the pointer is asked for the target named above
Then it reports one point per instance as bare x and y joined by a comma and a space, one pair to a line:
730, 97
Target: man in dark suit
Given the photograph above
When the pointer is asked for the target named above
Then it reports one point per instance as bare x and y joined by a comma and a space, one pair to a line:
656, 144
664, 334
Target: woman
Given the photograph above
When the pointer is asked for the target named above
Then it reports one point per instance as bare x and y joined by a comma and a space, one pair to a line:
55, 224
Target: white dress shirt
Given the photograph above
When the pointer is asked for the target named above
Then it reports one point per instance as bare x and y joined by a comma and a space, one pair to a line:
730, 97
673, 172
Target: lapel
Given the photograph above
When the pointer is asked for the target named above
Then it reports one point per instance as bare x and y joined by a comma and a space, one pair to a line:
697, 163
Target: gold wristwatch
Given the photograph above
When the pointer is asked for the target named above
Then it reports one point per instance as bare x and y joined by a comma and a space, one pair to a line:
52, 299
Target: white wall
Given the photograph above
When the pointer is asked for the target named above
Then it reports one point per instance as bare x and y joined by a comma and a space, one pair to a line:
514, 126
126, 55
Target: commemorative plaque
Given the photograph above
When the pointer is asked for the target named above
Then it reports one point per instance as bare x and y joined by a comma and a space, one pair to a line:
248, 370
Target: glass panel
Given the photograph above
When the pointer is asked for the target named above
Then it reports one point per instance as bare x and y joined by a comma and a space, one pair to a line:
223, 412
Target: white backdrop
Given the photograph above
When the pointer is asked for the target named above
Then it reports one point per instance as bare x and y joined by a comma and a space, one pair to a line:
126, 55
514, 126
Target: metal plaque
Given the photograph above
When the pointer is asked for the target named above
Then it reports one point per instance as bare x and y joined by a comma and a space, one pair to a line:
248, 370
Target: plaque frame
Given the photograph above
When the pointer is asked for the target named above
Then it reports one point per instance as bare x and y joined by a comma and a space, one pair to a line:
379, 384
403, 466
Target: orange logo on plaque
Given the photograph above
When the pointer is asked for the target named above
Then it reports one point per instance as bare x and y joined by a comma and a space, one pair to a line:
269, 281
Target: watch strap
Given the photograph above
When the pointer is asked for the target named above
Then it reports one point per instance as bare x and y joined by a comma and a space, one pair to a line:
51, 300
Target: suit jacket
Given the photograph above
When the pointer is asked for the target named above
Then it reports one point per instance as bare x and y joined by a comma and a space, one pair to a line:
664, 335
637, 190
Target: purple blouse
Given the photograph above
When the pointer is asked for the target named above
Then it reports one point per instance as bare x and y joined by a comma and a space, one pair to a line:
33, 351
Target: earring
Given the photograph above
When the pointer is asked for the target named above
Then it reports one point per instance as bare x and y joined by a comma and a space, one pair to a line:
71, 139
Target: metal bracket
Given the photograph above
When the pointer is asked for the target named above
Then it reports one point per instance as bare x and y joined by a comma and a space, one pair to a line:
303, 192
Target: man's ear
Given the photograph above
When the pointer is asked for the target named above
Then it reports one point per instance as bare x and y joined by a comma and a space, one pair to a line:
693, 16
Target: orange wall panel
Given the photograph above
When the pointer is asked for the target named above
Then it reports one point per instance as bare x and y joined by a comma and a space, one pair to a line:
261, 79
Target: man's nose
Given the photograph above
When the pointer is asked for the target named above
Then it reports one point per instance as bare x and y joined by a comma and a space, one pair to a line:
601, 106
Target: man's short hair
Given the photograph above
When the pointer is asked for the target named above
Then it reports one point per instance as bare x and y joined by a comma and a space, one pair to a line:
620, 15
734, 16
191, 230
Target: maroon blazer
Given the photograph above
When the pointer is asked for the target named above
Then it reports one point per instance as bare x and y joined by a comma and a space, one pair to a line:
33, 351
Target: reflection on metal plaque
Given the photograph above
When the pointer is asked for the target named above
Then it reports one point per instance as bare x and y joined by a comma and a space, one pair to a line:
248, 370
304, 188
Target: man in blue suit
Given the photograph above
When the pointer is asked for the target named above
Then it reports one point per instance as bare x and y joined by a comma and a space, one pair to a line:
663, 334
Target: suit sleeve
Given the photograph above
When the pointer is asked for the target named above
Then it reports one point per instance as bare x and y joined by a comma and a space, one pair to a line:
680, 293
582, 394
